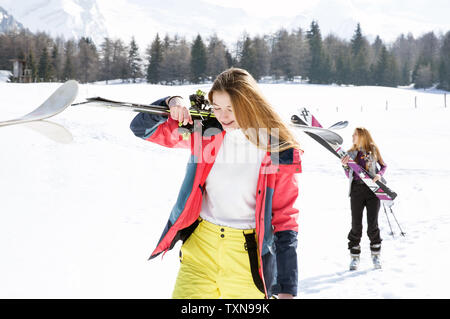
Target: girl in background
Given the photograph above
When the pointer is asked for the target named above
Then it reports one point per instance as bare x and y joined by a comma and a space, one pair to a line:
366, 154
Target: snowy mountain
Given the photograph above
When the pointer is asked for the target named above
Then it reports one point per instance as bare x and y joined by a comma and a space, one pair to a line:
143, 19
69, 18
229, 19
7, 22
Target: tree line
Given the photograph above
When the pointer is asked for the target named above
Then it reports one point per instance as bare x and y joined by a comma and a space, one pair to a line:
424, 61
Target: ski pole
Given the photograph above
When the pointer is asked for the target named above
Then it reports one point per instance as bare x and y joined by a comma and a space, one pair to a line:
401, 231
392, 232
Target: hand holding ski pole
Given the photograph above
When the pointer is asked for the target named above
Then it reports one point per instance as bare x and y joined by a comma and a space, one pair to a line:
178, 111
345, 160
377, 178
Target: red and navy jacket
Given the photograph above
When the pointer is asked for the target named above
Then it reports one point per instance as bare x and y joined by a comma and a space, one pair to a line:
277, 192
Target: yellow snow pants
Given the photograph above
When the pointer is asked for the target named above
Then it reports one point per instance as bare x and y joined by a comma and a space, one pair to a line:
214, 264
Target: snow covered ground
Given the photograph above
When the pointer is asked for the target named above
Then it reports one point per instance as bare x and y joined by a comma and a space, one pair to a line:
79, 220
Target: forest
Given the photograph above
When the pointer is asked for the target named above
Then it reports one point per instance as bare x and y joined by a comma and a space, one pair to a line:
283, 55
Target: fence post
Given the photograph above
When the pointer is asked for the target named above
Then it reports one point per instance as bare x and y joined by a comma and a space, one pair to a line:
415, 102
386, 105
445, 100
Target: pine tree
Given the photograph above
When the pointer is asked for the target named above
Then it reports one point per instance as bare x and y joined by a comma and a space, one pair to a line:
444, 66
444, 76
69, 72
134, 61
167, 42
428, 61
284, 61
88, 60
394, 73
54, 63
405, 74
360, 65
404, 50
262, 52
106, 61
357, 41
119, 68
318, 59
325, 69
334, 49
343, 68
301, 57
69, 68
381, 69
248, 57
198, 60
31, 64
216, 60
377, 47
230, 60
176, 61
44, 66
424, 76
155, 60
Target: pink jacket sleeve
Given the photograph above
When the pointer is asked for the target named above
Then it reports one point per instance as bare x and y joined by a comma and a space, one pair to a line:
159, 129
166, 134
284, 214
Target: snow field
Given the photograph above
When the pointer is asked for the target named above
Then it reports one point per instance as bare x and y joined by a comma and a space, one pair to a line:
80, 220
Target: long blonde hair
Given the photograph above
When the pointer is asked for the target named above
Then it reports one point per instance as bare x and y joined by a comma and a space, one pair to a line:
252, 111
366, 142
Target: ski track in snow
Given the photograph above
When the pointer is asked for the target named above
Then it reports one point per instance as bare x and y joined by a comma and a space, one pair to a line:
80, 220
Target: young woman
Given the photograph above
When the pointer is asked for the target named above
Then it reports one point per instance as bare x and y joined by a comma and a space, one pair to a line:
366, 154
236, 217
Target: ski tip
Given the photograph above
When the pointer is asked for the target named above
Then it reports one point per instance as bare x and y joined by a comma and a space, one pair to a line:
71, 84
296, 120
69, 88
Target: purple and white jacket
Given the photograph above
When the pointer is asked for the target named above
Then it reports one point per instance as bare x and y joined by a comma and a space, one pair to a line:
366, 161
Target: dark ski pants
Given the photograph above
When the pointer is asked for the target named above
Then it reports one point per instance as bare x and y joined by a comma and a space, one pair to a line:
362, 197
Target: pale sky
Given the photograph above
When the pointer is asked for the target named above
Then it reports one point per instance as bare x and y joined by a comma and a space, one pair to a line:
425, 9
387, 18
264, 8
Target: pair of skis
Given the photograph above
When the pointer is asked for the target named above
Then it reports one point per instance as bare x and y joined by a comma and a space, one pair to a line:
66, 94
55, 104
146, 108
200, 109
332, 142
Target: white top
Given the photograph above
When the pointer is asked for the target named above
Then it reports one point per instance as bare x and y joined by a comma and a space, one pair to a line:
230, 189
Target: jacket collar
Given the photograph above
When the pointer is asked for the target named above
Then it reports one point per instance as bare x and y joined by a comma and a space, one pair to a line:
284, 161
